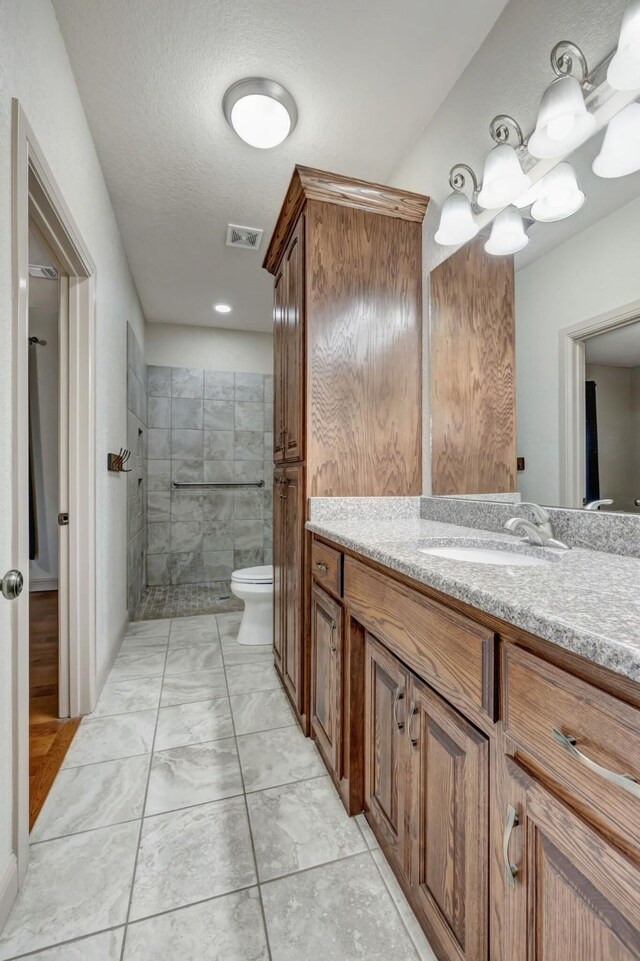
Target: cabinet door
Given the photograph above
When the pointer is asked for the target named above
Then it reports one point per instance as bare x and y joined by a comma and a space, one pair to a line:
279, 363
326, 676
293, 560
279, 572
294, 346
570, 895
448, 764
386, 683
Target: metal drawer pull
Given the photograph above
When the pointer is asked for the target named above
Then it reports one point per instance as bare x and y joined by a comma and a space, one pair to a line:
332, 644
399, 697
626, 781
511, 870
413, 712
322, 567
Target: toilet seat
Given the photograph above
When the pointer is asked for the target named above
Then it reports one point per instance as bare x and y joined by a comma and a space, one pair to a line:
254, 575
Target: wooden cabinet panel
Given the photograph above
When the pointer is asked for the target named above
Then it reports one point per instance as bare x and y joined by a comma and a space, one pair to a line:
386, 683
539, 699
292, 493
279, 363
294, 347
326, 677
279, 572
326, 567
574, 897
448, 825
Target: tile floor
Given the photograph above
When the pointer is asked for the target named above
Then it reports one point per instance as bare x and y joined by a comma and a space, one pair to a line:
191, 820
185, 600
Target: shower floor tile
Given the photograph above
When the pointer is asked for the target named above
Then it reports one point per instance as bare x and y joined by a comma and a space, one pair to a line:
183, 600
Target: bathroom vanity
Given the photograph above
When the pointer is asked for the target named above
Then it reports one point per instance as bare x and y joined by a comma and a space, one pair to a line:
488, 726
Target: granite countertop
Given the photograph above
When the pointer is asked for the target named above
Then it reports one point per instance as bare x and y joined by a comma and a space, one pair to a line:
583, 600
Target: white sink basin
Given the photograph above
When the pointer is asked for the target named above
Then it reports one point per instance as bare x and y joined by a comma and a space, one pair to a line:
486, 555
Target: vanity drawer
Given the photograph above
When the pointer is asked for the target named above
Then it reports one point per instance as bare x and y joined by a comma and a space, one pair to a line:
451, 652
540, 699
326, 567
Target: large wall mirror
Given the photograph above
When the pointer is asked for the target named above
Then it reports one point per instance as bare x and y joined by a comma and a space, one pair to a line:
576, 296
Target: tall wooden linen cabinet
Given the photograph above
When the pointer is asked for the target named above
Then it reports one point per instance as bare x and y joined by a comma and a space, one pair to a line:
346, 256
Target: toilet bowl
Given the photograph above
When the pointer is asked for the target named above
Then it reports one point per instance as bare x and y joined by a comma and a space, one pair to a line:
254, 586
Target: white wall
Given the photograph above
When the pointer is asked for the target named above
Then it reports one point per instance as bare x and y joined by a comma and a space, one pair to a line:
635, 426
211, 348
34, 68
589, 275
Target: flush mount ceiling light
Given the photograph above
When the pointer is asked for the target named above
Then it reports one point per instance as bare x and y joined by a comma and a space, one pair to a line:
620, 151
624, 69
560, 196
261, 111
504, 180
457, 225
507, 233
223, 308
563, 119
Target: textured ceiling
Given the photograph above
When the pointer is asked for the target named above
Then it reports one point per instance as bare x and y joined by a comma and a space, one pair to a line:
367, 75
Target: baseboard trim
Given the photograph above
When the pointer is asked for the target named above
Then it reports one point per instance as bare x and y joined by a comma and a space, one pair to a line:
106, 668
8, 888
44, 584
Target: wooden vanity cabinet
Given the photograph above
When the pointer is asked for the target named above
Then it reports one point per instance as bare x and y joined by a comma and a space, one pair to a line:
289, 583
326, 677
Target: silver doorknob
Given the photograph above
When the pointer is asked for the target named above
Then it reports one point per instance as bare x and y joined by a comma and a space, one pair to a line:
12, 584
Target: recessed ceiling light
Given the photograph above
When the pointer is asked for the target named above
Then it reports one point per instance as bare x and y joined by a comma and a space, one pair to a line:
223, 308
261, 111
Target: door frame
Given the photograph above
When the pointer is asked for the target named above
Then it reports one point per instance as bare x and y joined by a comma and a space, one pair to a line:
572, 404
37, 198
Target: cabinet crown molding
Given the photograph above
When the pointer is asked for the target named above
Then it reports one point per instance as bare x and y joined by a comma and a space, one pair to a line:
307, 183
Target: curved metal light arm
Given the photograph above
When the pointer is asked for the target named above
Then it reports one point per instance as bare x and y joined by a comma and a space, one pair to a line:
501, 126
458, 178
564, 56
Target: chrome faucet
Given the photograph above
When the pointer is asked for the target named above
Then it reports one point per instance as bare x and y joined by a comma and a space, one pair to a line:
539, 532
596, 505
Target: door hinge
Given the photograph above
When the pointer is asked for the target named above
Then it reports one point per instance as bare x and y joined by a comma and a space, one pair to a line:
63, 519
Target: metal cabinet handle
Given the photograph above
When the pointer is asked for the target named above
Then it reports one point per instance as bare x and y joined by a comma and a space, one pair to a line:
511, 870
399, 697
12, 584
332, 646
413, 712
626, 781
322, 567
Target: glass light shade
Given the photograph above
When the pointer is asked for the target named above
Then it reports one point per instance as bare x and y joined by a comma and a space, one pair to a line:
507, 233
260, 120
563, 120
620, 151
503, 180
624, 69
457, 225
560, 196
530, 196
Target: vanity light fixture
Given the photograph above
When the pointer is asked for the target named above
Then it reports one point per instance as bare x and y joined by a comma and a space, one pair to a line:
560, 196
507, 233
504, 180
620, 151
223, 308
457, 225
563, 119
261, 111
530, 196
624, 69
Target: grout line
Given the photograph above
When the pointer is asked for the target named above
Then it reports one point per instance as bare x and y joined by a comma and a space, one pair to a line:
63, 944
315, 867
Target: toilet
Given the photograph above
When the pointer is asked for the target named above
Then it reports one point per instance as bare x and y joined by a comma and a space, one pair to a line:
254, 586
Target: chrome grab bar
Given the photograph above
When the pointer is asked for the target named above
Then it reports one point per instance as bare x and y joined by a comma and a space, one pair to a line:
626, 781
511, 870
230, 486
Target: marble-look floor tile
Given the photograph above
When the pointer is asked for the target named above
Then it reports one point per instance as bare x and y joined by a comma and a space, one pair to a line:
417, 935
187, 856
143, 645
338, 912
142, 663
183, 776
97, 947
277, 757
193, 723
109, 738
185, 660
75, 886
93, 796
128, 695
195, 686
152, 628
229, 623
300, 826
368, 835
234, 653
229, 928
243, 678
261, 711
194, 631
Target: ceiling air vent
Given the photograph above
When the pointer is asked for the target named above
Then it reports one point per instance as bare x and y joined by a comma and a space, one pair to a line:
248, 238
49, 273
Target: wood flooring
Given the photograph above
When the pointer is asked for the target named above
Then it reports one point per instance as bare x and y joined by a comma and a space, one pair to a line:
49, 736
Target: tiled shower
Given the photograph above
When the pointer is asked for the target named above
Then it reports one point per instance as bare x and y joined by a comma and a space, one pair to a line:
209, 428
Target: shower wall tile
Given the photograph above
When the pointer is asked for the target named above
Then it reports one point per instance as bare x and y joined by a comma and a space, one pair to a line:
186, 505
187, 568
248, 534
186, 536
248, 416
159, 443
158, 506
249, 445
218, 535
187, 471
248, 471
159, 475
218, 472
248, 558
217, 565
159, 381
219, 385
248, 505
268, 389
187, 412
187, 382
159, 411
136, 479
250, 387
159, 538
186, 444
218, 444
218, 505
219, 414
268, 417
